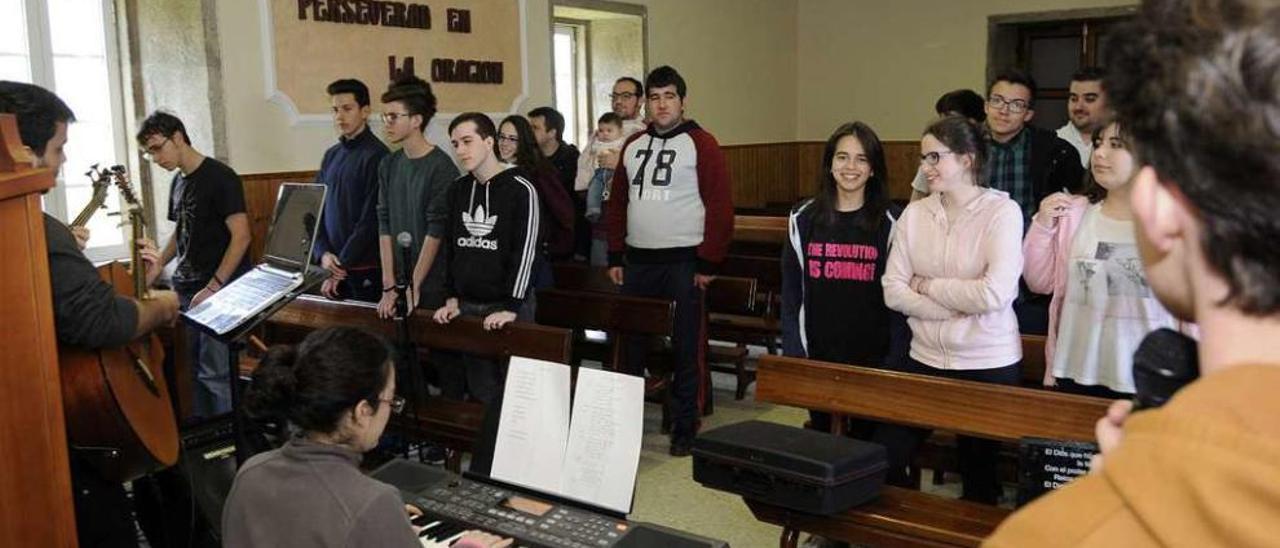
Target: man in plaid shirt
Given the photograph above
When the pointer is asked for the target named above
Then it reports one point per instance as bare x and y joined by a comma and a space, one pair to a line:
1029, 163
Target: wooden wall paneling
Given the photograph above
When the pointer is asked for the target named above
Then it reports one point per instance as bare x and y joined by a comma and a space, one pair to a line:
808, 166
762, 174
902, 158
35, 482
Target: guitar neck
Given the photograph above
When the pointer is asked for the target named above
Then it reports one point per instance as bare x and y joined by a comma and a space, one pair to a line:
94, 204
135, 254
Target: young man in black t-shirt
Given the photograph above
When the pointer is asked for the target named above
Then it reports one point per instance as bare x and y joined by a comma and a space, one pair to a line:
206, 200
490, 243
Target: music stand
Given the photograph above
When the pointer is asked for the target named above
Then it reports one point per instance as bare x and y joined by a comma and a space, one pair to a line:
235, 341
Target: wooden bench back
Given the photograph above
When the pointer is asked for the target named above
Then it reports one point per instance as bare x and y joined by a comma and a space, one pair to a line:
463, 334
728, 294
987, 410
574, 309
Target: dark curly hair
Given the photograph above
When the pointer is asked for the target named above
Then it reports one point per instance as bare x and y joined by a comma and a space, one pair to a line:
313, 384
1197, 83
416, 96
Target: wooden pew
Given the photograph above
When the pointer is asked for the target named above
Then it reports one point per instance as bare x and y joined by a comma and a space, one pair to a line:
727, 295
901, 516
762, 229
758, 235
606, 311
453, 424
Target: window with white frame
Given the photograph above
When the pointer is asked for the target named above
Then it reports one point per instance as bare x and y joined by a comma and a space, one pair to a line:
567, 64
69, 47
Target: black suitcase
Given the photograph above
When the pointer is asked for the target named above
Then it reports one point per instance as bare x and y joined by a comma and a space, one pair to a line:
799, 469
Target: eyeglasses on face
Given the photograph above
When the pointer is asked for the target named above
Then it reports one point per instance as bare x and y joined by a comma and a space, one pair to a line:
932, 158
624, 96
391, 117
397, 404
504, 138
1016, 106
150, 151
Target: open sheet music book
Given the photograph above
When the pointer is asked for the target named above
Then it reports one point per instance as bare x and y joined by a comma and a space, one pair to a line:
590, 455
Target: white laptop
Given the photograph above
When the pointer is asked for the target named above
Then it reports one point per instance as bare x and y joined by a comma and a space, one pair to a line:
284, 262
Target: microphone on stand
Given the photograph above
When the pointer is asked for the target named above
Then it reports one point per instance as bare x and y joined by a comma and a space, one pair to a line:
415, 387
1165, 361
405, 243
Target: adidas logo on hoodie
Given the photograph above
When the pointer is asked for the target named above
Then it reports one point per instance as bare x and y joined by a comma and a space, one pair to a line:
479, 225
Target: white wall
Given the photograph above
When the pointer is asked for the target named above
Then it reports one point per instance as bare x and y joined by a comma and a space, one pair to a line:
758, 70
886, 63
737, 55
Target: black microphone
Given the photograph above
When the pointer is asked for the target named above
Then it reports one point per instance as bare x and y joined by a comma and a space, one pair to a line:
1165, 361
405, 241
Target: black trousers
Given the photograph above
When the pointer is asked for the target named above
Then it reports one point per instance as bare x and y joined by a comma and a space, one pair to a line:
104, 513
1098, 391
688, 387
462, 374
978, 457
362, 285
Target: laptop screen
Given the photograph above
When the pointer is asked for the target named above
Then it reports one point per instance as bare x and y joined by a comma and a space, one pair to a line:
294, 225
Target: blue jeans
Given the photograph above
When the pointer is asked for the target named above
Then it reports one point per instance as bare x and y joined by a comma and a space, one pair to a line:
599, 252
598, 193
210, 363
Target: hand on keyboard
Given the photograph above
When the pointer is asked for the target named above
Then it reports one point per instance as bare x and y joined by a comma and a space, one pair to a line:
442, 533
480, 539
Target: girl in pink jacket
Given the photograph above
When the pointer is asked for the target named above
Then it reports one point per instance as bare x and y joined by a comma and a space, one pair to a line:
1082, 249
953, 270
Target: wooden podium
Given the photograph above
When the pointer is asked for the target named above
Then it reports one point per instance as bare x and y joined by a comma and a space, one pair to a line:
35, 484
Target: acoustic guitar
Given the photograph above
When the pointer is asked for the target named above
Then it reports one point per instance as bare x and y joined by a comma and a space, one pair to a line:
101, 179
118, 412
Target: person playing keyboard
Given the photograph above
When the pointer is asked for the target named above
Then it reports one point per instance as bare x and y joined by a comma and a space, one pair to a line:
338, 389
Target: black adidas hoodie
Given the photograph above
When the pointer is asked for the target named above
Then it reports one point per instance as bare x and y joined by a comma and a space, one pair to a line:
491, 239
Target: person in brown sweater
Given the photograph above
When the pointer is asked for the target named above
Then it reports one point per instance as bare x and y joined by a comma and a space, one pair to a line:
1196, 81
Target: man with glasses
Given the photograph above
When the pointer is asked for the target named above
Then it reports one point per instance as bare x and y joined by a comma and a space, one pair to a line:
1087, 107
625, 101
347, 244
412, 184
211, 243
1026, 161
1029, 163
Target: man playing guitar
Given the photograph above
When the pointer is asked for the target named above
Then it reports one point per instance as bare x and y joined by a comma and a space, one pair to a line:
88, 313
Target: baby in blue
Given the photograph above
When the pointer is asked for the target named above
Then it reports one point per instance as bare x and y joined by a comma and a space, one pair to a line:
608, 138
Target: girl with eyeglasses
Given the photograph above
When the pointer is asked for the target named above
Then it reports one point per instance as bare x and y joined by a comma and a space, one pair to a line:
337, 389
1082, 250
953, 270
516, 145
